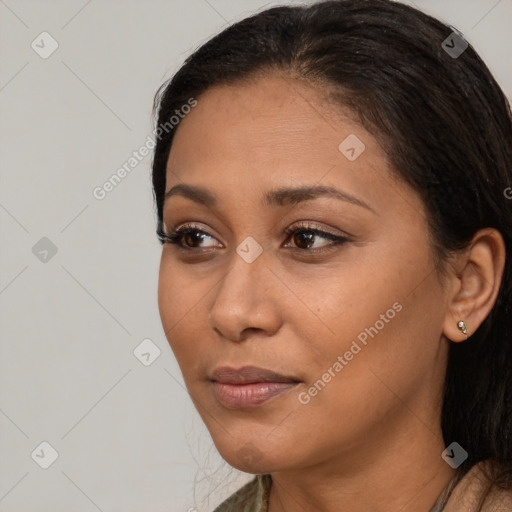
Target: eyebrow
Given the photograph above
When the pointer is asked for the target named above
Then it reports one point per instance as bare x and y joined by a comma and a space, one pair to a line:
277, 197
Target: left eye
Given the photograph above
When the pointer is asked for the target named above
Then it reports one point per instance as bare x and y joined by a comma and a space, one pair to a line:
304, 237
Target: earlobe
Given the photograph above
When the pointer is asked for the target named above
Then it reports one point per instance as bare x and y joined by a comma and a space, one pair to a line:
462, 327
476, 284
463, 334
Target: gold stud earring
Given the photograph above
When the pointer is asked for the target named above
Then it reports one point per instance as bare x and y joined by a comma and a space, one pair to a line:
462, 326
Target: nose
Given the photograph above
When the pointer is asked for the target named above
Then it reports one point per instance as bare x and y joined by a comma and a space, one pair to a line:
246, 301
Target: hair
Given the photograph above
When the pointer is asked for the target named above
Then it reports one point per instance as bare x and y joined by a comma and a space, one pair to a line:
446, 127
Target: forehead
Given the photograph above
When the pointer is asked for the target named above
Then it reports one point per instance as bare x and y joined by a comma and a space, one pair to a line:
272, 132
267, 116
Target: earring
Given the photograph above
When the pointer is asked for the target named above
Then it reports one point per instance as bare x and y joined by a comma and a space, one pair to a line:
462, 326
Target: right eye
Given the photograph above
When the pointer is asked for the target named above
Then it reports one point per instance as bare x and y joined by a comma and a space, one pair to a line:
185, 237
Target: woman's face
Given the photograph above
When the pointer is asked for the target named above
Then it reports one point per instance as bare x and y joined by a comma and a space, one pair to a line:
355, 326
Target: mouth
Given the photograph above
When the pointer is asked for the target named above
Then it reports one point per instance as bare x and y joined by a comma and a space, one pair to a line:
249, 386
248, 375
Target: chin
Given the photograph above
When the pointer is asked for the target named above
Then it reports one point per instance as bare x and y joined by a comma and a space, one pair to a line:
250, 457
247, 457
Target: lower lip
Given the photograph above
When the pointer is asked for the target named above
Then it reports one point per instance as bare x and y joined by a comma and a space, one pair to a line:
237, 396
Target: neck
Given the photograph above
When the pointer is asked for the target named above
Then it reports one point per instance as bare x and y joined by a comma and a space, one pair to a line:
407, 474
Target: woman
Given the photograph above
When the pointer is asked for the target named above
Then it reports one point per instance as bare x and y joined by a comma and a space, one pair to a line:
335, 279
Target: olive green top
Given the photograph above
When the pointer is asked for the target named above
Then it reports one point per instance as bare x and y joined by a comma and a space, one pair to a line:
254, 496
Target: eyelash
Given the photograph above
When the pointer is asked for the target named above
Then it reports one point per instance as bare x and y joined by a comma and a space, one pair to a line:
175, 237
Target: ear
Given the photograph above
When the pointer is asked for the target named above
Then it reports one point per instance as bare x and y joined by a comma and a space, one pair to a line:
475, 283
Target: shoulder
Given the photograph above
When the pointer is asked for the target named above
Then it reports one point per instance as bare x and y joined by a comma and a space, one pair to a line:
252, 497
499, 500
467, 495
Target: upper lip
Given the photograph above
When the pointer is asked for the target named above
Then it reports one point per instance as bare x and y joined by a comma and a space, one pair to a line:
247, 375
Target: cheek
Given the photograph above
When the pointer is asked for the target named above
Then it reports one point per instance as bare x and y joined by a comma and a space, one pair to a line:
176, 298
338, 301
168, 296
382, 315
181, 303
375, 381
177, 293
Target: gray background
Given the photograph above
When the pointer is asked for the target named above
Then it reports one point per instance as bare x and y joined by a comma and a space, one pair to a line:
126, 434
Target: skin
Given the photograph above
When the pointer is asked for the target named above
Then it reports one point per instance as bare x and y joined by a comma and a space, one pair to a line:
371, 438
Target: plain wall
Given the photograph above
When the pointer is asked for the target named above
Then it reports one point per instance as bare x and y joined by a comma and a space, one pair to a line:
127, 436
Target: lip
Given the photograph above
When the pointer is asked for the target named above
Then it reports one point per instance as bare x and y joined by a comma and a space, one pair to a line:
248, 375
249, 386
